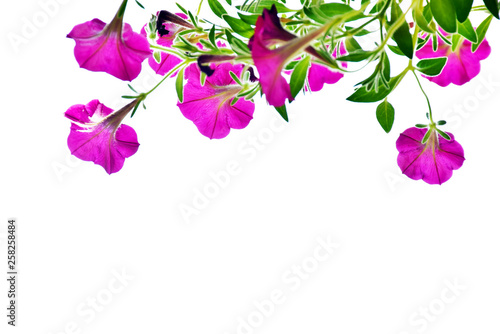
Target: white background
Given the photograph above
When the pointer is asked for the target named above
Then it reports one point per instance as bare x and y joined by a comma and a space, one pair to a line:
330, 173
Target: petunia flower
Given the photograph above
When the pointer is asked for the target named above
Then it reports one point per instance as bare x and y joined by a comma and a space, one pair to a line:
434, 161
97, 134
270, 62
462, 64
210, 106
112, 48
319, 74
165, 36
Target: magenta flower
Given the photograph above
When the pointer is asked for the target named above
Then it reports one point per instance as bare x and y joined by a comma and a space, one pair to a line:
165, 37
270, 62
433, 161
209, 106
112, 48
461, 66
319, 75
96, 134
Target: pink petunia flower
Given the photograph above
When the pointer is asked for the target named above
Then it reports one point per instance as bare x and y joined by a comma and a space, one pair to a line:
165, 37
112, 48
461, 66
96, 134
434, 161
319, 75
209, 106
270, 62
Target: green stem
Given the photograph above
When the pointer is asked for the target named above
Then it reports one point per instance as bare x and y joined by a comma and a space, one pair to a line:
426, 97
172, 71
168, 50
121, 10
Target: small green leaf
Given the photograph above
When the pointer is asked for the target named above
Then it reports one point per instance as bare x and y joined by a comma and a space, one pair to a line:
356, 56
481, 32
395, 49
444, 134
352, 45
229, 2
238, 26
299, 76
426, 136
234, 101
132, 88
181, 8
432, 66
441, 122
385, 115
211, 36
463, 8
445, 14
492, 6
237, 45
282, 111
179, 85
249, 19
422, 41
334, 9
203, 78
157, 56
467, 30
140, 5
421, 126
402, 35
422, 22
257, 7
235, 78
216, 8
364, 95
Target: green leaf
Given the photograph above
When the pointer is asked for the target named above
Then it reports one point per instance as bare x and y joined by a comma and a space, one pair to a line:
356, 56
426, 136
422, 22
445, 15
258, 6
481, 32
238, 26
421, 126
238, 46
443, 134
362, 95
441, 122
140, 4
211, 36
395, 49
422, 41
179, 85
217, 8
492, 6
352, 45
299, 76
181, 8
467, 30
402, 35
334, 9
463, 8
132, 88
157, 56
385, 115
249, 19
432, 66
282, 111
229, 2
235, 78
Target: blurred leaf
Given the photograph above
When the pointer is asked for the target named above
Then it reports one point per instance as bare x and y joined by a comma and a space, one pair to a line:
299, 76
140, 4
352, 45
481, 32
426, 136
467, 30
422, 22
237, 45
216, 8
432, 66
463, 8
444, 134
492, 6
211, 36
249, 19
258, 6
362, 95
445, 15
282, 111
385, 115
395, 49
402, 35
238, 26
356, 56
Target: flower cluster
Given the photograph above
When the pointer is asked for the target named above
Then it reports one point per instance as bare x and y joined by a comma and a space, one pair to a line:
278, 51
